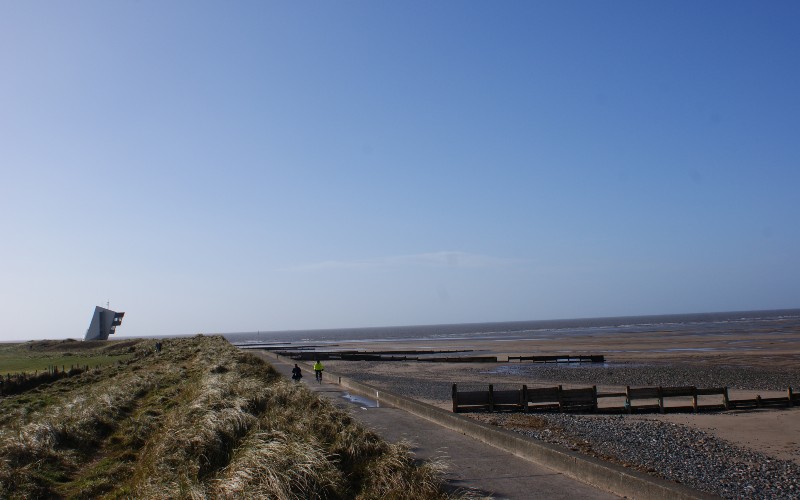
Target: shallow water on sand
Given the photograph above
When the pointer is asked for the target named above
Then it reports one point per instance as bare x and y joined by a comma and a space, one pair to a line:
781, 322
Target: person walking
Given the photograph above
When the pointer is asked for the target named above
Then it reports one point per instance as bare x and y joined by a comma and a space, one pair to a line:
318, 370
296, 373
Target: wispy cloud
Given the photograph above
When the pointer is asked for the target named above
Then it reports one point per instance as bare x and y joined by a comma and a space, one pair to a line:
432, 259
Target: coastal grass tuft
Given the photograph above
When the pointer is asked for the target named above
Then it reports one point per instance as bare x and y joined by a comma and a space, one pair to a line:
201, 419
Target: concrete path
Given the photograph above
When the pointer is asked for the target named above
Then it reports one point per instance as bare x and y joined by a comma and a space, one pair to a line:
472, 465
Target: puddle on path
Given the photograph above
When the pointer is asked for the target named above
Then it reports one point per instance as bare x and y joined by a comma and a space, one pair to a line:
361, 401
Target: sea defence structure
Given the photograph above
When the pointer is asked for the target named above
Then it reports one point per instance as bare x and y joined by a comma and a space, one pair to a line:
104, 322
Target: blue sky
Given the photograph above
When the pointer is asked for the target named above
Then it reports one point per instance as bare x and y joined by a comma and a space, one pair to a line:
219, 167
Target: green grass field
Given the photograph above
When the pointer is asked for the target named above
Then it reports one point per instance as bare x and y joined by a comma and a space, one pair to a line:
17, 364
30, 357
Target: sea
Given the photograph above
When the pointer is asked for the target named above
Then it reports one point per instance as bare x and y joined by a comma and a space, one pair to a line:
772, 321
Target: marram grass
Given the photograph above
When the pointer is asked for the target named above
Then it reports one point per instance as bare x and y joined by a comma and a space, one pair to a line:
201, 420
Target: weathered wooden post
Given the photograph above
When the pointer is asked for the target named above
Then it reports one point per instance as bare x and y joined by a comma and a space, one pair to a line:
660, 399
789, 396
628, 404
694, 399
525, 398
455, 399
560, 404
725, 401
491, 397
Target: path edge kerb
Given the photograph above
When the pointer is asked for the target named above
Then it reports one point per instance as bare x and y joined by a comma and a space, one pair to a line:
606, 476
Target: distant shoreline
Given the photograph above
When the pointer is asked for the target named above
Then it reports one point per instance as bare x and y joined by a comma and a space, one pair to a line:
544, 323
454, 328
485, 336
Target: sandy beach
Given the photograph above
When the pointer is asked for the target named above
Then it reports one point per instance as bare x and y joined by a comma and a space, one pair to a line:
733, 454
750, 364
773, 348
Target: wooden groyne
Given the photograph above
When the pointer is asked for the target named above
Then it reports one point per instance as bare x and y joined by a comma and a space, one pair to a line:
308, 353
461, 359
429, 356
587, 400
561, 358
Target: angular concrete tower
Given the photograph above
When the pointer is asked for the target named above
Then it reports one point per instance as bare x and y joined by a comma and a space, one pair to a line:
103, 324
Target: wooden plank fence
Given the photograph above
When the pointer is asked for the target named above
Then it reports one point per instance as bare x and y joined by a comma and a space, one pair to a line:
790, 400
490, 400
660, 393
586, 399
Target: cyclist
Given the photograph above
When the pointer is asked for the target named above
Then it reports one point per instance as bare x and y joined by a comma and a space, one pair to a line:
296, 375
318, 370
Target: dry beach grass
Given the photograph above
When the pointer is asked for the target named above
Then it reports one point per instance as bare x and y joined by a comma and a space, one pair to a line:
199, 420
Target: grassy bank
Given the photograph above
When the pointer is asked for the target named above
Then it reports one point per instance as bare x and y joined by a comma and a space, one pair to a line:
199, 420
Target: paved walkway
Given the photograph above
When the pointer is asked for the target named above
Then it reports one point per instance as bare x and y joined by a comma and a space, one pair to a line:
472, 465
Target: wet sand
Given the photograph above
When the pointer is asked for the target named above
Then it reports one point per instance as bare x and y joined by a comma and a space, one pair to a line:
765, 349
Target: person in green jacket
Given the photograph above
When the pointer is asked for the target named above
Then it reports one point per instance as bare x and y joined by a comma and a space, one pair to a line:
318, 370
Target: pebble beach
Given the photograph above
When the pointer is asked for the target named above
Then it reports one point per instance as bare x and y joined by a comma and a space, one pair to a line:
731, 454
677, 452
